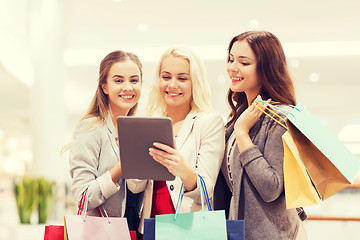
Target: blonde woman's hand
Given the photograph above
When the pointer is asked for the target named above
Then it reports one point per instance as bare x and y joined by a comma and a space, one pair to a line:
174, 162
169, 157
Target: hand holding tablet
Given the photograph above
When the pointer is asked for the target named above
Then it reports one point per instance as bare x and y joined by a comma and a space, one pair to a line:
136, 136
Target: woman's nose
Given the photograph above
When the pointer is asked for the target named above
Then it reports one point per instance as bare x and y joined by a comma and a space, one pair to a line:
172, 82
127, 85
233, 67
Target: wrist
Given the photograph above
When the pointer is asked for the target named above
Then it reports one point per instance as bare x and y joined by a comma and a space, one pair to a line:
186, 174
243, 141
189, 179
241, 133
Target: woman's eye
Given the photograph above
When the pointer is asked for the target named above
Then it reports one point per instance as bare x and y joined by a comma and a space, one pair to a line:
119, 80
182, 79
231, 60
245, 63
134, 80
166, 77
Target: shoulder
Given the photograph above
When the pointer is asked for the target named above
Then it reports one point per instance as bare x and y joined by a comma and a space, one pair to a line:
209, 118
89, 127
277, 119
209, 123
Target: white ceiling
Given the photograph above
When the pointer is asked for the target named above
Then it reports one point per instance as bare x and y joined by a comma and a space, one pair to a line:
104, 25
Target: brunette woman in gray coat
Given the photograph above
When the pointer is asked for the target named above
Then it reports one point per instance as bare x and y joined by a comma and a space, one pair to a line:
253, 163
94, 153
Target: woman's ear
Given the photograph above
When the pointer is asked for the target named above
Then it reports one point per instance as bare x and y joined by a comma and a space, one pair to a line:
104, 88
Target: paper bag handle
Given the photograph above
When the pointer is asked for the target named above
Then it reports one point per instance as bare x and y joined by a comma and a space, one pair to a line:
203, 192
83, 207
271, 109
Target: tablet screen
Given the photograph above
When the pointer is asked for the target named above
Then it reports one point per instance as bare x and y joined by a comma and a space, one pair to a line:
136, 135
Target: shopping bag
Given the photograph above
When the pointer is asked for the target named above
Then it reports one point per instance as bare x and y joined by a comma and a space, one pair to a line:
325, 176
299, 188
54, 232
330, 164
133, 235
315, 161
235, 229
149, 229
84, 227
78, 227
205, 225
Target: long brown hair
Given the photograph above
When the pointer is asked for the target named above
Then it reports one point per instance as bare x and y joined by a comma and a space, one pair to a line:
99, 105
271, 69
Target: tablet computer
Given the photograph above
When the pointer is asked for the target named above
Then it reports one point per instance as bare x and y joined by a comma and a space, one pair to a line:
136, 135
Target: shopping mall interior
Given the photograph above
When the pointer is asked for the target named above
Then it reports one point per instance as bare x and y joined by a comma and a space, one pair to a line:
50, 51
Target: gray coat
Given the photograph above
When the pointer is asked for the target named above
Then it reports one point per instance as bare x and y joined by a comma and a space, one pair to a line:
258, 184
93, 152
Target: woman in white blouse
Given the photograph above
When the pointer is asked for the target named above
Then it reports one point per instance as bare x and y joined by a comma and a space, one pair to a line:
181, 91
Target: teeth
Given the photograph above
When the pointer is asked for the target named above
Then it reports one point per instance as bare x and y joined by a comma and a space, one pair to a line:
237, 79
127, 96
173, 94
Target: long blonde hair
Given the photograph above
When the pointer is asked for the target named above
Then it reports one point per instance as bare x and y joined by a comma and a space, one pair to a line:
201, 91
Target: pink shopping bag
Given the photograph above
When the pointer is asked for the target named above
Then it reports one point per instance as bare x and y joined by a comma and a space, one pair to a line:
84, 227
78, 227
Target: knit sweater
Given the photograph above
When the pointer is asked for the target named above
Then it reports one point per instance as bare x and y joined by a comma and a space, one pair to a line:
258, 184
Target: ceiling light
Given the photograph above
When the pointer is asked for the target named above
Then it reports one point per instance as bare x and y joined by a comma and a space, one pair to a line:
350, 133
13, 53
142, 27
217, 52
253, 23
314, 77
294, 63
322, 49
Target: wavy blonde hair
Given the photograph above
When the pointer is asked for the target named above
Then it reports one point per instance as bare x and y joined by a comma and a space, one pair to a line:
201, 91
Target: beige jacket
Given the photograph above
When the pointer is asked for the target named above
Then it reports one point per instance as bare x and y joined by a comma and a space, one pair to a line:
201, 141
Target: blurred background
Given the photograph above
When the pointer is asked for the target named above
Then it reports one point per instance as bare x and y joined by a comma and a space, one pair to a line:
50, 51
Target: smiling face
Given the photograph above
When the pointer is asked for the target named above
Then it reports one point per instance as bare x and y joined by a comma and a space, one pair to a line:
123, 87
241, 68
175, 84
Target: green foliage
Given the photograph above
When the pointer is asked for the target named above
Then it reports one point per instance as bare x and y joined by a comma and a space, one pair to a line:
31, 193
45, 198
26, 195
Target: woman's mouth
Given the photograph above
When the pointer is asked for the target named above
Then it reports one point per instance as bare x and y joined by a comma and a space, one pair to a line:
237, 78
127, 97
173, 94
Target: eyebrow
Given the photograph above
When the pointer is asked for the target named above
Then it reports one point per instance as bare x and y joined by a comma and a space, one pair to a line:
119, 76
178, 73
240, 56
